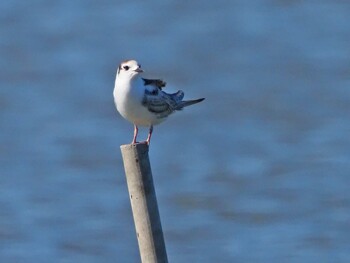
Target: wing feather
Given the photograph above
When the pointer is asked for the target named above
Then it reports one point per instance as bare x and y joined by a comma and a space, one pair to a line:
159, 83
160, 102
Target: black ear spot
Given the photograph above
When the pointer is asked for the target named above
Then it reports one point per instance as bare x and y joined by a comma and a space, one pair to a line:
126, 67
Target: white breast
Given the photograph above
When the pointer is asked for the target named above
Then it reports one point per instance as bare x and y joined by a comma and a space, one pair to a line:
128, 96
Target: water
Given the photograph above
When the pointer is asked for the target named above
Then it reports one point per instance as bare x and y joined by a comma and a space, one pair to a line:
259, 172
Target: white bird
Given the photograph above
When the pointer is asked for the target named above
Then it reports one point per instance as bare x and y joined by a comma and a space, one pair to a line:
142, 101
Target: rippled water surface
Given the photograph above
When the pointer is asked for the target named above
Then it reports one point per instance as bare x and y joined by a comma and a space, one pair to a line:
259, 172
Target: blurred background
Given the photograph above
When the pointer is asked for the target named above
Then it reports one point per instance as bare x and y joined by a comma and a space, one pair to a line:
258, 172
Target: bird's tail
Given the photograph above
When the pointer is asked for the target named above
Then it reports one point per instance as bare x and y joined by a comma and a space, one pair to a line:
185, 103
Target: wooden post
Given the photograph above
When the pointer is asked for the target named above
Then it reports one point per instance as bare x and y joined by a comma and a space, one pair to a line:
144, 203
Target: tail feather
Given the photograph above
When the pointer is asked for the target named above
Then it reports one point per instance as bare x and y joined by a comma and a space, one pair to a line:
186, 103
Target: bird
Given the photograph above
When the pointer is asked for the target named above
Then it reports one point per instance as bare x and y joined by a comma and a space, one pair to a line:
142, 101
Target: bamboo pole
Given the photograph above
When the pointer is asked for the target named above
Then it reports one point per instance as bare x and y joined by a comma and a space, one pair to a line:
144, 203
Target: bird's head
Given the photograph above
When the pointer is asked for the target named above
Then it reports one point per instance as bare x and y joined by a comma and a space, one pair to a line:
129, 69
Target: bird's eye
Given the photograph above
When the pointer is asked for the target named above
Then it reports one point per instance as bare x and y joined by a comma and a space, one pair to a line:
126, 67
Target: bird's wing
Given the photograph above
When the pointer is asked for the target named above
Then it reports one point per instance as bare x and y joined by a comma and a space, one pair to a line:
154, 82
160, 103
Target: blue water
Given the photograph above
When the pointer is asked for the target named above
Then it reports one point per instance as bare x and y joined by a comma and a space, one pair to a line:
259, 172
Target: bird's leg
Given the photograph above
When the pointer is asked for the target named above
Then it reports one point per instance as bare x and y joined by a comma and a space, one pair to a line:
136, 130
149, 134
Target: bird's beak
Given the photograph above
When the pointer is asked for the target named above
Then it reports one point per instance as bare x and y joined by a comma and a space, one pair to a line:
139, 70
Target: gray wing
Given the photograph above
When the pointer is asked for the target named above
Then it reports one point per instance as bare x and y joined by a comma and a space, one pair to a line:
159, 83
161, 103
